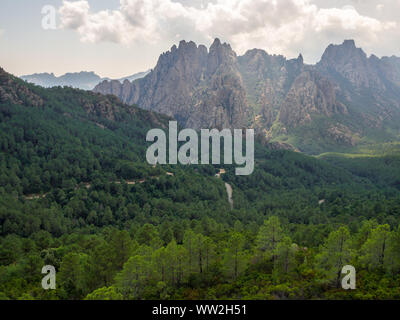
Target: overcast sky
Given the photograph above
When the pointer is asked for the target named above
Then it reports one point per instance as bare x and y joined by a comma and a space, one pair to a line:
116, 38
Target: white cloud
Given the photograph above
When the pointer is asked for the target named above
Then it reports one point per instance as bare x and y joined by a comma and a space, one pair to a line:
284, 26
74, 14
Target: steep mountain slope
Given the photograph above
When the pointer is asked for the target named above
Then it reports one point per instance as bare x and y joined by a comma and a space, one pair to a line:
286, 90
345, 100
267, 80
369, 85
64, 128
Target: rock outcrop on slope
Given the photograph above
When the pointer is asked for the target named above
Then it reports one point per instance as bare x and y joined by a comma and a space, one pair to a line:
13, 92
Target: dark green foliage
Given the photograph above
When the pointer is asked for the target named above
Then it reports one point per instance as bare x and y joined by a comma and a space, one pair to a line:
76, 193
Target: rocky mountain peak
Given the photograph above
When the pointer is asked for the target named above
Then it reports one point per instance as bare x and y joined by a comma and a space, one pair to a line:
314, 94
347, 52
220, 53
187, 46
217, 45
300, 59
186, 52
352, 64
350, 44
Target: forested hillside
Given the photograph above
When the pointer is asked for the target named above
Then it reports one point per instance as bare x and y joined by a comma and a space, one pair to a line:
76, 193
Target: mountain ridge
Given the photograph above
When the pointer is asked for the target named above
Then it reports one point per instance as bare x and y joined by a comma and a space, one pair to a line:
85, 80
15, 91
279, 97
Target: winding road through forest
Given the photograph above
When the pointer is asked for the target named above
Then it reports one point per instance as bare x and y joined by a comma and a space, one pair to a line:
228, 187
87, 185
229, 192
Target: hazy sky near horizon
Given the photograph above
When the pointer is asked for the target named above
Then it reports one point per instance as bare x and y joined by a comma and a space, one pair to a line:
116, 38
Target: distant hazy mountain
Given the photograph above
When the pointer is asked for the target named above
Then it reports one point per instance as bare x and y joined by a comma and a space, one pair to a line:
342, 102
134, 76
82, 80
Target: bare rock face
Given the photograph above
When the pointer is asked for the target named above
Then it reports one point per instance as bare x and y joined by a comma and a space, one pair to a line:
310, 93
358, 75
342, 135
215, 88
196, 87
281, 146
389, 67
267, 80
220, 102
351, 63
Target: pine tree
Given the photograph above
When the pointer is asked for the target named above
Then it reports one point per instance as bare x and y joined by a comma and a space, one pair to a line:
235, 258
375, 248
392, 256
335, 254
269, 235
285, 254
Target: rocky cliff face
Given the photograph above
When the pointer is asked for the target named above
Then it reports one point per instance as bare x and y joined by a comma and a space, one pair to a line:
267, 79
390, 66
351, 63
369, 84
347, 62
217, 89
310, 93
198, 88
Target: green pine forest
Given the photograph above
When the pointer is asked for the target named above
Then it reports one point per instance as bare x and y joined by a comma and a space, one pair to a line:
77, 193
